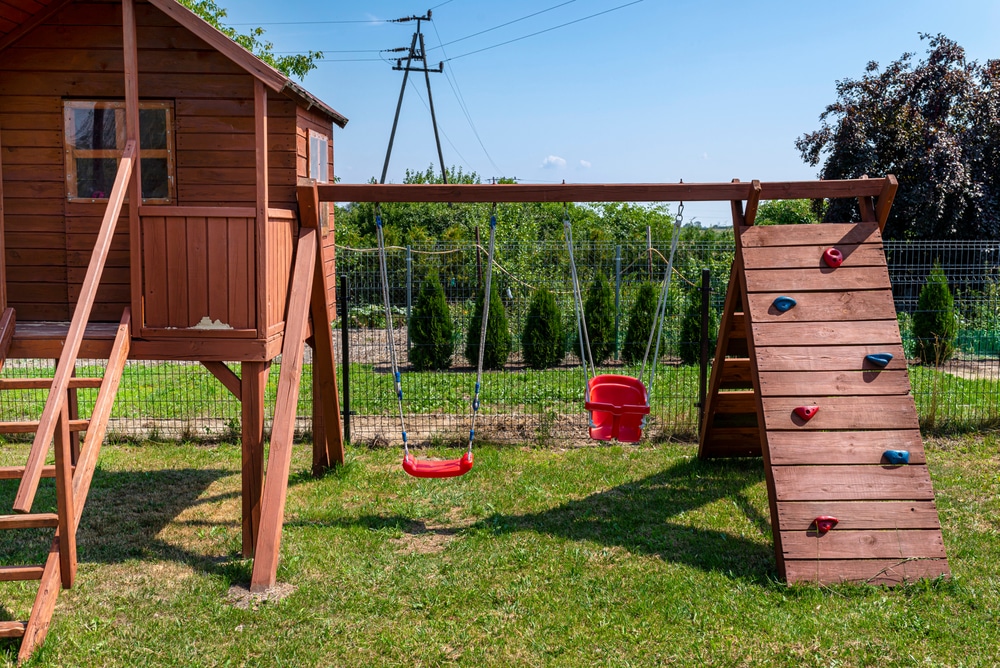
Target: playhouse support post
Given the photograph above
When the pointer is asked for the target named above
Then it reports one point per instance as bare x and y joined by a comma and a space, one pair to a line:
254, 380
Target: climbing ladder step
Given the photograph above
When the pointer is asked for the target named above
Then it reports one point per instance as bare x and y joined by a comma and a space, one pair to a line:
29, 521
12, 629
20, 573
828, 383
870, 254
827, 234
826, 357
864, 333
736, 402
852, 482
29, 427
871, 571
735, 373
855, 515
738, 329
17, 472
826, 448
887, 544
817, 280
848, 413
848, 306
78, 383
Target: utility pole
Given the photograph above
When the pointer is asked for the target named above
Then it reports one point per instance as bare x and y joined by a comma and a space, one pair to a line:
419, 55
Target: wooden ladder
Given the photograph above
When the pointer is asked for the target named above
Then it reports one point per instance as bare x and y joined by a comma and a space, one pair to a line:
73, 470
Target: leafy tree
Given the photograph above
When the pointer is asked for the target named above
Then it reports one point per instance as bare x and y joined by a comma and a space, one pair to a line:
599, 311
689, 345
431, 329
934, 323
786, 212
935, 125
297, 65
543, 340
640, 323
498, 339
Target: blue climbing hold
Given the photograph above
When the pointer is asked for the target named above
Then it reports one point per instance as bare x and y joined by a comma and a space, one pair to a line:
783, 303
897, 456
879, 359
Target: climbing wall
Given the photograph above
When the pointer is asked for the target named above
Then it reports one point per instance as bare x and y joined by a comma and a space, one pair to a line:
850, 494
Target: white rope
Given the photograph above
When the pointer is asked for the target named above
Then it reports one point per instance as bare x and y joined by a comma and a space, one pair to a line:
388, 324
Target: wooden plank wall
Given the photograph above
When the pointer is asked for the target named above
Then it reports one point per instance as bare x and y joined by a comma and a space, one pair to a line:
199, 266
77, 53
305, 122
832, 464
282, 227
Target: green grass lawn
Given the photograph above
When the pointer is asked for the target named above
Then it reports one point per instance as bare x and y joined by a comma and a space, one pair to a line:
610, 556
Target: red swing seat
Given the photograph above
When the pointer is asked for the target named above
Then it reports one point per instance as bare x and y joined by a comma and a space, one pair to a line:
618, 405
437, 468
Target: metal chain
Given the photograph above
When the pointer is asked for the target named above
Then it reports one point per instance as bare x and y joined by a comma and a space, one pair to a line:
388, 323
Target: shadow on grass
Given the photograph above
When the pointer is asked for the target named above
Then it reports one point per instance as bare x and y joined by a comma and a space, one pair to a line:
646, 517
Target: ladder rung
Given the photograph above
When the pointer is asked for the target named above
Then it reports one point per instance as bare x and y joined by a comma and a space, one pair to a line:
17, 472
30, 521
13, 573
28, 427
12, 629
46, 383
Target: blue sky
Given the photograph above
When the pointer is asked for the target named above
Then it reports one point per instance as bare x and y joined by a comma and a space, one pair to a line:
656, 91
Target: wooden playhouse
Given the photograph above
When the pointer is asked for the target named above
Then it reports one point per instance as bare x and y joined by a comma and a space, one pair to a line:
148, 207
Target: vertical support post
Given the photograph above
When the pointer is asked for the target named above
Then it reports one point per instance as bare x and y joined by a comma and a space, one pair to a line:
399, 105
409, 294
3, 252
430, 103
131, 55
64, 500
706, 295
73, 410
649, 251
618, 297
260, 228
254, 380
345, 357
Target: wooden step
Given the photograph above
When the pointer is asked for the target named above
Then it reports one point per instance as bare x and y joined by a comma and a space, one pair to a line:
46, 383
29, 521
12, 629
17, 472
736, 402
29, 427
19, 573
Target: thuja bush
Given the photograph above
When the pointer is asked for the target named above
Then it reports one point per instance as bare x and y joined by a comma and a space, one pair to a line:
689, 346
640, 323
934, 323
431, 328
543, 339
498, 339
599, 311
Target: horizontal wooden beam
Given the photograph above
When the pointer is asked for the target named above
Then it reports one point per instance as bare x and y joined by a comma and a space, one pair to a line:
197, 211
596, 192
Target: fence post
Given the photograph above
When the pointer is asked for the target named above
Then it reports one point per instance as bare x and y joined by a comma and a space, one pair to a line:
409, 294
649, 251
706, 295
618, 297
345, 359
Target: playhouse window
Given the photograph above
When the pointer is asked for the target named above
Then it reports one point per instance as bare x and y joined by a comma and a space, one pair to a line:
95, 139
319, 151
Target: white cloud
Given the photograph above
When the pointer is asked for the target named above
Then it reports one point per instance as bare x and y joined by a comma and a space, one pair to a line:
704, 156
553, 162
585, 164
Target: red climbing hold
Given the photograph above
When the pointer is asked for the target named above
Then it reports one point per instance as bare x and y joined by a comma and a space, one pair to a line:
824, 523
833, 257
806, 412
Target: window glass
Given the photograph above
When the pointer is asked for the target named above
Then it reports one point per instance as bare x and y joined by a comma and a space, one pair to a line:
94, 129
153, 128
95, 177
319, 167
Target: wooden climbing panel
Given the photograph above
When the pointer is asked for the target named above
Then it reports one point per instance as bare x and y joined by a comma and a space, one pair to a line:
770, 362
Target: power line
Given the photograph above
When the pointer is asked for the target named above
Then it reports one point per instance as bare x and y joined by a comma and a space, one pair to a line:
311, 23
502, 25
542, 32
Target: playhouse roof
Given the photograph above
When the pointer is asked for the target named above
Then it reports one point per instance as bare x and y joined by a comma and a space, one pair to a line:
18, 17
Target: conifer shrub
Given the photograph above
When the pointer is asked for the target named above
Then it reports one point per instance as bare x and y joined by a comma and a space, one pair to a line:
431, 328
640, 323
935, 326
689, 345
498, 339
599, 311
543, 339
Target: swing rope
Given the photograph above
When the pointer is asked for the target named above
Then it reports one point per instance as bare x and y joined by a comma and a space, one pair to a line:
484, 323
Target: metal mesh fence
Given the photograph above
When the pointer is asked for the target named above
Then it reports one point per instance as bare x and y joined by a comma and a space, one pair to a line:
177, 400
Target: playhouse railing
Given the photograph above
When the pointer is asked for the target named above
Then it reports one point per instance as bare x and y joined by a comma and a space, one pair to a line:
57, 400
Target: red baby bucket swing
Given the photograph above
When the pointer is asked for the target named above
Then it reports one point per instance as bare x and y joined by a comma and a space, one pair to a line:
618, 404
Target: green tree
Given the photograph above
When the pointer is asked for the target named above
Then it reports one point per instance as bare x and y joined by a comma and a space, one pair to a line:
934, 323
640, 324
935, 125
787, 212
498, 339
297, 65
689, 345
543, 340
599, 311
431, 329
